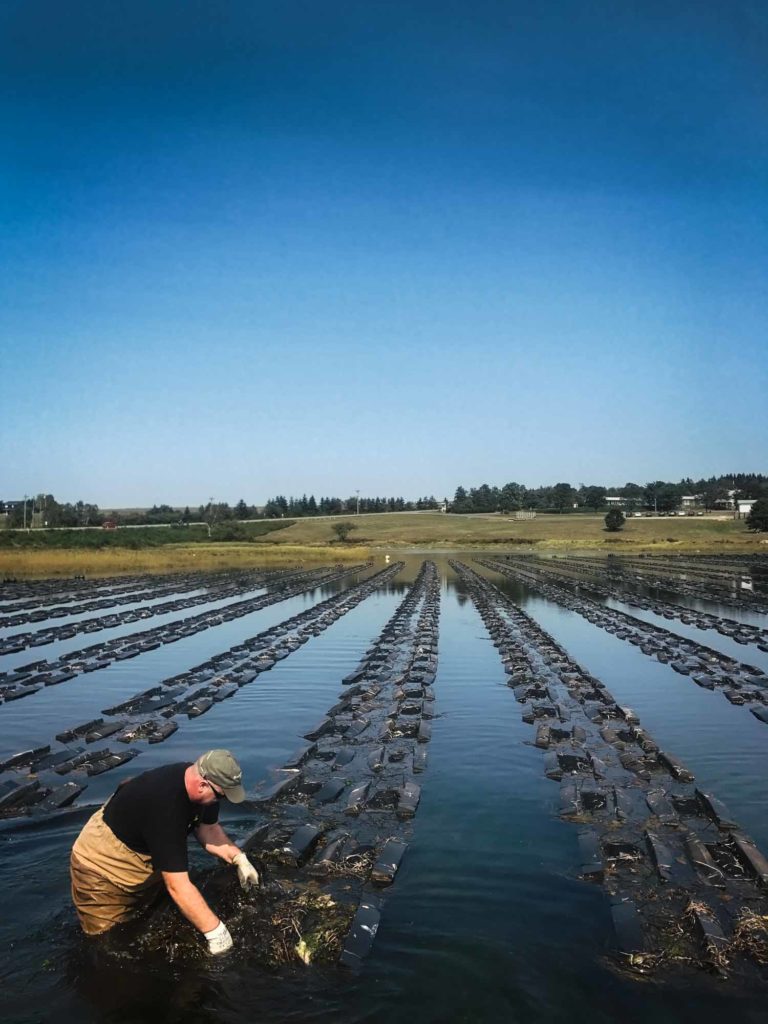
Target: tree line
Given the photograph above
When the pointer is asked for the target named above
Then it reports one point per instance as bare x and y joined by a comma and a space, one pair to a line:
43, 510
296, 508
657, 495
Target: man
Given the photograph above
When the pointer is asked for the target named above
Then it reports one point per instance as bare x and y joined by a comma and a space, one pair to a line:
137, 842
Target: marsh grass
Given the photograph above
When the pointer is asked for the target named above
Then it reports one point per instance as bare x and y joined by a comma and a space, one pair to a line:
170, 558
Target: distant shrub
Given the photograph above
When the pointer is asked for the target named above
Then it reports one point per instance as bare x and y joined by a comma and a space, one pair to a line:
614, 520
343, 530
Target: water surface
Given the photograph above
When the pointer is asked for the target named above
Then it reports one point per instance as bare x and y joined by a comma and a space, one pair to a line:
487, 920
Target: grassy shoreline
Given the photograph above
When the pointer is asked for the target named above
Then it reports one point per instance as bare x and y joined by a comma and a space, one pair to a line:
310, 542
169, 558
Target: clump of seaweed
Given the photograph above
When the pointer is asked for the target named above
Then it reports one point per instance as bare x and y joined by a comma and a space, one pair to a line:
643, 963
718, 951
274, 925
354, 865
307, 925
670, 939
750, 936
750, 940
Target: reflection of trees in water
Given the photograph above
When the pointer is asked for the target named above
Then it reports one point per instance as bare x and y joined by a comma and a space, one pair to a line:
336, 587
519, 593
759, 577
396, 587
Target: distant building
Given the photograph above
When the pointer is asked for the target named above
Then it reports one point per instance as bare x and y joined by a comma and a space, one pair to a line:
728, 502
690, 501
744, 506
614, 501
8, 510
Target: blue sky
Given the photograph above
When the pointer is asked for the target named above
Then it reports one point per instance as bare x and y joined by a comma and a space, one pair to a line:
252, 248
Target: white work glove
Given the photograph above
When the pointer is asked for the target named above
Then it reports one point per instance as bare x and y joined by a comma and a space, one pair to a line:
219, 940
246, 872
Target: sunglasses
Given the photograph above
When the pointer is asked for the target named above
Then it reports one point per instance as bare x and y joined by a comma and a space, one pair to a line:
216, 792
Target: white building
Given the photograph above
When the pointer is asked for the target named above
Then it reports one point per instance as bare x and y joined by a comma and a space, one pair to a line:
744, 506
727, 503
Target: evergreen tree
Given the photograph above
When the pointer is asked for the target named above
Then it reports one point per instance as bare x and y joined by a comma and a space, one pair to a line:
461, 501
757, 519
615, 520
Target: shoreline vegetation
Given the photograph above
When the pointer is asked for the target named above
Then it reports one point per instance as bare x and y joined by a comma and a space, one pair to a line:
280, 544
139, 537
168, 559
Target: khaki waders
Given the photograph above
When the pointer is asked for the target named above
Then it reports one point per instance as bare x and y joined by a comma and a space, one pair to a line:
110, 881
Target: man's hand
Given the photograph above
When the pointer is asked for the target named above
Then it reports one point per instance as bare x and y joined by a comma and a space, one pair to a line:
246, 872
219, 940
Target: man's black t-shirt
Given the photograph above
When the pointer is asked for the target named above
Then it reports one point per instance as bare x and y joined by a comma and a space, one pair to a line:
152, 814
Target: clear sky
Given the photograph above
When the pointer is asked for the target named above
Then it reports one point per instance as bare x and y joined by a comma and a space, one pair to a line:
252, 248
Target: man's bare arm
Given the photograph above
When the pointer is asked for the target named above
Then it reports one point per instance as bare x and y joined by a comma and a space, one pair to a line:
214, 840
189, 900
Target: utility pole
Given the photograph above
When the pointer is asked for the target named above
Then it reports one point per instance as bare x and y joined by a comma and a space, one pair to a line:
357, 492
210, 516
25, 511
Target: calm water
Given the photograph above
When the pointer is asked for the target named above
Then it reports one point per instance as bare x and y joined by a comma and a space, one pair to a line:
487, 920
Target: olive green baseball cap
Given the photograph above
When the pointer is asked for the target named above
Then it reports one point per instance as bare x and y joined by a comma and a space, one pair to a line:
221, 768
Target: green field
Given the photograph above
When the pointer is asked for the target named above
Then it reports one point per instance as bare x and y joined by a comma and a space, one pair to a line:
578, 532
